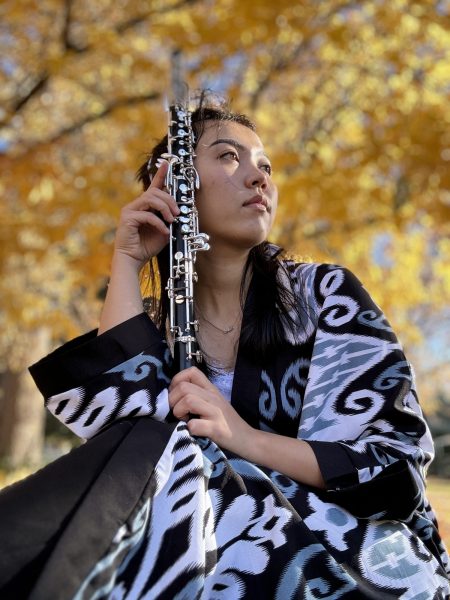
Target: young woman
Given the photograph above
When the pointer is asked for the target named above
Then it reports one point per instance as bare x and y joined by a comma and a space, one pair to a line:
302, 473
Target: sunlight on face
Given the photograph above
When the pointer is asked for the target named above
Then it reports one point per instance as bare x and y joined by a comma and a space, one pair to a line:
237, 198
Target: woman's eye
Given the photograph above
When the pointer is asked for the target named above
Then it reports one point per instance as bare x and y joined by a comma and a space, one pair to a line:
267, 168
230, 154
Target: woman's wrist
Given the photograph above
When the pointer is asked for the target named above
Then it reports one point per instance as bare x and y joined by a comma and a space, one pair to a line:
123, 298
250, 445
290, 456
124, 262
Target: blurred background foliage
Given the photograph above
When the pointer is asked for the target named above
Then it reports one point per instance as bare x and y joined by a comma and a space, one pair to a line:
351, 100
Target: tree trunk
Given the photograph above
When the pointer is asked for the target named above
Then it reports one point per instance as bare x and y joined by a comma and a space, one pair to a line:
22, 415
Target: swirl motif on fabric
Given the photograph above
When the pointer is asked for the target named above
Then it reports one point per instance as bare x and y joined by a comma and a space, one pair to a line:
374, 319
291, 398
140, 366
267, 398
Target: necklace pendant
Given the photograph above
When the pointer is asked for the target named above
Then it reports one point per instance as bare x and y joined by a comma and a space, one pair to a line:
223, 331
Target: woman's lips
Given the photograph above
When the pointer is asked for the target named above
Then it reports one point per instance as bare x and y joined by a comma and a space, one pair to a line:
257, 202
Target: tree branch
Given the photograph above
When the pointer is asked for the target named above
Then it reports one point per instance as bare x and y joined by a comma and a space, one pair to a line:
42, 79
35, 89
94, 117
69, 45
280, 63
65, 33
130, 23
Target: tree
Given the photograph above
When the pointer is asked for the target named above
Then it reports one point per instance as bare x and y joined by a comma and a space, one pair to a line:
350, 98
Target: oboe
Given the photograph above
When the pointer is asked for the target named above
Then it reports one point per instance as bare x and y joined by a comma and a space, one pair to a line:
185, 240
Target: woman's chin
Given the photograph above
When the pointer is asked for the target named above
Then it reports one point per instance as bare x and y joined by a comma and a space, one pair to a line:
239, 236
243, 241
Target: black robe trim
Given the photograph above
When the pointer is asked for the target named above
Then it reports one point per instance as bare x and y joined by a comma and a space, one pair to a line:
60, 521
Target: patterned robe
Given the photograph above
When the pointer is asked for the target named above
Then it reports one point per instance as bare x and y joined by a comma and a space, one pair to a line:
145, 510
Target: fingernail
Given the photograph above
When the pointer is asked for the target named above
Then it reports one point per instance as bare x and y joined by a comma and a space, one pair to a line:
160, 162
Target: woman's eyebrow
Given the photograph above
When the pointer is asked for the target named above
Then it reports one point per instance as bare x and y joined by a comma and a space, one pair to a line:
234, 143
228, 141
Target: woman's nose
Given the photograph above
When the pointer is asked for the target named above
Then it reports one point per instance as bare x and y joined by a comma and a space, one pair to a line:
255, 177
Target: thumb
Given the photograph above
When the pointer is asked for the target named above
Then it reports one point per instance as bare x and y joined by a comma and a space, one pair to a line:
192, 375
159, 179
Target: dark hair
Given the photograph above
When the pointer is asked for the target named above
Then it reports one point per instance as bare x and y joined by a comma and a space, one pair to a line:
199, 117
271, 302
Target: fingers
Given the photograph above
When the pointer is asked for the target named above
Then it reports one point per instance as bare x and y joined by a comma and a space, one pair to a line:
201, 428
192, 375
191, 404
134, 217
156, 197
191, 393
186, 388
158, 201
186, 397
160, 175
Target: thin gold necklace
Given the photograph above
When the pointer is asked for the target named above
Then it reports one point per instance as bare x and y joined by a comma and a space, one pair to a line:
224, 331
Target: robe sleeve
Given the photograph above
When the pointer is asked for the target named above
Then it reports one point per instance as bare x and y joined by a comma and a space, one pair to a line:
361, 414
92, 381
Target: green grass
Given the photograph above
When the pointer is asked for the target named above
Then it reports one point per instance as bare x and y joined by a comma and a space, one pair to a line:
438, 492
439, 496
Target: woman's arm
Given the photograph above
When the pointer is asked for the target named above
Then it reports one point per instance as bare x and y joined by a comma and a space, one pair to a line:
94, 380
360, 412
123, 298
190, 392
291, 457
141, 234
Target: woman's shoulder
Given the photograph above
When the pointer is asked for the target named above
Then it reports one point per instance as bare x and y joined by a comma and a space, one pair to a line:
324, 276
305, 281
322, 283
294, 265
316, 281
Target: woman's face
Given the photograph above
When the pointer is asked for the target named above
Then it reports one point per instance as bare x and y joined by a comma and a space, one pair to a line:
237, 199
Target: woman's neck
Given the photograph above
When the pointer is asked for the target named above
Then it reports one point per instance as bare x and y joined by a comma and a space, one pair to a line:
217, 291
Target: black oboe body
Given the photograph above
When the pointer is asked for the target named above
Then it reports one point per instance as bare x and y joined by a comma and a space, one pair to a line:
185, 239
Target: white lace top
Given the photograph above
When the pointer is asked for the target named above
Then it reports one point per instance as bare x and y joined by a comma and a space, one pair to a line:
223, 380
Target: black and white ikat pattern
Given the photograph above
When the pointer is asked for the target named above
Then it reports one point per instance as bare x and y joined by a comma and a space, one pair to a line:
214, 526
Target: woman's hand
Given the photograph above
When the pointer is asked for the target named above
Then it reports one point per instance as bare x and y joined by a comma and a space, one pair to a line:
142, 231
191, 393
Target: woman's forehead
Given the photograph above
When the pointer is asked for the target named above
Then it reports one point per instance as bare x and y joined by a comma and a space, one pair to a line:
228, 130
